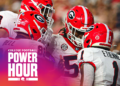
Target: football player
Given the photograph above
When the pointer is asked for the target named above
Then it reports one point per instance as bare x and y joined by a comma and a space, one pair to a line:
8, 18
99, 66
31, 29
45, 7
68, 44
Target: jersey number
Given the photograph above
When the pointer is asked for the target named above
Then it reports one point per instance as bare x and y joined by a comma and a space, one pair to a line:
41, 51
73, 66
1, 18
115, 66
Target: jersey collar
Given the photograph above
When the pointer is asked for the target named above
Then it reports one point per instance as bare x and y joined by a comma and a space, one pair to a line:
76, 49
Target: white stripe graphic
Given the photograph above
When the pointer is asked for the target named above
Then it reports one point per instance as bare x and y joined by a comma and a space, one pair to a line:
31, 79
85, 13
107, 38
13, 79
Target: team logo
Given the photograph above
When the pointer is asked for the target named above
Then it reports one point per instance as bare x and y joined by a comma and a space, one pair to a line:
39, 18
71, 15
90, 28
64, 47
97, 37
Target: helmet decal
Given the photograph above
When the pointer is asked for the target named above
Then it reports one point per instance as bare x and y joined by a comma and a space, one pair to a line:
97, 37
39, 18
71, 14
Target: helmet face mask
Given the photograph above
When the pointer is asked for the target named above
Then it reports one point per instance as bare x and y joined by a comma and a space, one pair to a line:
47, 12
73, 35
78, 19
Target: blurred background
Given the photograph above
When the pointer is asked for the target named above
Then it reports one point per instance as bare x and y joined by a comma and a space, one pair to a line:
104, 11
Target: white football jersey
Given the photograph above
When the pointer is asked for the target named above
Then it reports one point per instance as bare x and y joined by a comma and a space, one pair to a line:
62, 47
7, 21
105, 63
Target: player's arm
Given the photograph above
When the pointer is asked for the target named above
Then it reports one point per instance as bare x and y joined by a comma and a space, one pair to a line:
3, 33
87, 74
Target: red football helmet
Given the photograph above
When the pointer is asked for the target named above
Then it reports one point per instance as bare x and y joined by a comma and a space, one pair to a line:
45, 7
34, 24
99, 35
79, 18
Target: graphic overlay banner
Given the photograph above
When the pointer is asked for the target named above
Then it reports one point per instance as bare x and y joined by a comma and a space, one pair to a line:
25, 67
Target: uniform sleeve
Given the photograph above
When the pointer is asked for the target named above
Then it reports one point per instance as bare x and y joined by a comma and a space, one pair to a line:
7, 21
86, 56
87, 75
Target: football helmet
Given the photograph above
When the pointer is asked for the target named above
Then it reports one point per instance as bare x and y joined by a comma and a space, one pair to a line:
34, 24
45, 7
78, 19
99, 35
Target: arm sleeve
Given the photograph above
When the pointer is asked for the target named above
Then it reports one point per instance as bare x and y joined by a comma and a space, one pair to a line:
87, 74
